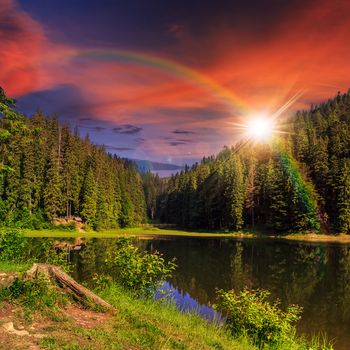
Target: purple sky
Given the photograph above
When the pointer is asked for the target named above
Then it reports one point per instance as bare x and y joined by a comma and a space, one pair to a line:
165, 80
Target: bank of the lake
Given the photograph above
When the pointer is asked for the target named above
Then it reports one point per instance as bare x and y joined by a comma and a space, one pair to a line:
152, 231
135, 324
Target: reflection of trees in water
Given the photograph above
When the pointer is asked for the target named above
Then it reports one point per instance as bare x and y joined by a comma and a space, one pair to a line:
303, 273
341, 297
92, 259
240, 273
316, 277
236, 267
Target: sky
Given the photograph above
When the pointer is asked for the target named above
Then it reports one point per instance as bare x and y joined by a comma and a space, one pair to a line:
166, 80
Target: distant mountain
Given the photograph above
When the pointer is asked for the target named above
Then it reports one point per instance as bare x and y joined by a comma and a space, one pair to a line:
147, 165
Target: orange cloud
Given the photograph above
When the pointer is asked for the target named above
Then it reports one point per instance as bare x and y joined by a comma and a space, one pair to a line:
306, 48
21, 41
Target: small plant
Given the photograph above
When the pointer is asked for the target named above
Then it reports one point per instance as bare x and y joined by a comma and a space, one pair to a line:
34, 294
67, 227
250, 313
140, 272
13, 246
102, 281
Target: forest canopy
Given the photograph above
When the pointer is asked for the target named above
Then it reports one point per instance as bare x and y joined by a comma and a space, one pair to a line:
298, 182
49, 171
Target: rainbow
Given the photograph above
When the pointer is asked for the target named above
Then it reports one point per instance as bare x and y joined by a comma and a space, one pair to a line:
302, 187
233, 101
176, 69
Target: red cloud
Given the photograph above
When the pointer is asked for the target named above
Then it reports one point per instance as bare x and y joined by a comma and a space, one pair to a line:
21, 41
308, 47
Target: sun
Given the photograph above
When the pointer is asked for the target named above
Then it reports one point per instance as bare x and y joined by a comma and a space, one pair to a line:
259, 128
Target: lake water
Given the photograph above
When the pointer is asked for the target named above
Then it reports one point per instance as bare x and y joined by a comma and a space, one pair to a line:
314, 276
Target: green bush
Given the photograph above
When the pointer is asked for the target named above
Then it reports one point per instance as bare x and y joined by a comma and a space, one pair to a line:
13, 246
34, 295
67, 227
250, 313
140, 272
25, 219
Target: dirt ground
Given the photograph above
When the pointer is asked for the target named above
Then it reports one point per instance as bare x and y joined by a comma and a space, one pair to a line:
18, 333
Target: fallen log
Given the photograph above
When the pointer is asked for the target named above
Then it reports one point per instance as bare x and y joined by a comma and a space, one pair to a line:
58, 276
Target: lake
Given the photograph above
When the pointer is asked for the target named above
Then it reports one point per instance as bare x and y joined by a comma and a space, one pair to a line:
315, 276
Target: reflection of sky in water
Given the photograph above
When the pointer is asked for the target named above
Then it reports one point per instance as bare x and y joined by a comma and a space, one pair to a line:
185, 302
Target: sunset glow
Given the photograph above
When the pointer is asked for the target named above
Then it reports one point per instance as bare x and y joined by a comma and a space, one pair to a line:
133, 83
260, 128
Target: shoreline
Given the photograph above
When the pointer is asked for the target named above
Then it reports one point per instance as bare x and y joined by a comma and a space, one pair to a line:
147, 233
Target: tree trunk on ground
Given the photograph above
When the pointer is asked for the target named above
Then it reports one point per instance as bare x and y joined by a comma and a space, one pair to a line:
57, 275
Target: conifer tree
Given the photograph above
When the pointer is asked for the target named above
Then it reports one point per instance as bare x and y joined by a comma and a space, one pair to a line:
52, 188
234, 192
343, 197
89, 198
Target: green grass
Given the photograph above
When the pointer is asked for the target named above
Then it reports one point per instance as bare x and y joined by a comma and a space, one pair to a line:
151, 325
145, 324
135, 231
6, 266
151, 231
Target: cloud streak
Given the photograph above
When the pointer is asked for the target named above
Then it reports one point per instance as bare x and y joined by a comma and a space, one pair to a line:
262, 52
183, 132
127, 129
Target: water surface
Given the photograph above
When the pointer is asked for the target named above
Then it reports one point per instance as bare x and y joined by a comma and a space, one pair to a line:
315, 276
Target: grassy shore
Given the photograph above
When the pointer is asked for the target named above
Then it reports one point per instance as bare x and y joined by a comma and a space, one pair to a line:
136, 324
151, 231
148, 231
142, 324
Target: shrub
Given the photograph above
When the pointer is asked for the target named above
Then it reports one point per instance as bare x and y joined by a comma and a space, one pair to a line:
23, 218
140, 272
250, 313
13, 246
34, 295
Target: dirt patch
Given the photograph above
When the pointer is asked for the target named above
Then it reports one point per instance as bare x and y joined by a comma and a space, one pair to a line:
16, 333
85, 317
6, 312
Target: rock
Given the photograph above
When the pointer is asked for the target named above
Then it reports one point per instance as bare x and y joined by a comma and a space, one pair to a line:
39, 336
8, 327
7, 279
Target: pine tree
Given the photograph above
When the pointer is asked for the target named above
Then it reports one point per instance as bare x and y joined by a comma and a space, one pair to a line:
343, 197
89, 198
276, 190
52, 189
234, 192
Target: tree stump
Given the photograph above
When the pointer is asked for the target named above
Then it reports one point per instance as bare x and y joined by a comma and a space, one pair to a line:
57, 275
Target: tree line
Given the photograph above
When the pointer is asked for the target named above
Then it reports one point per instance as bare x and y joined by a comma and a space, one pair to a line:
298, 182
47, 171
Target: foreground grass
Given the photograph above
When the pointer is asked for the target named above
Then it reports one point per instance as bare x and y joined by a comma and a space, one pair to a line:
136, 324
160, 325
7, 266
148, 324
